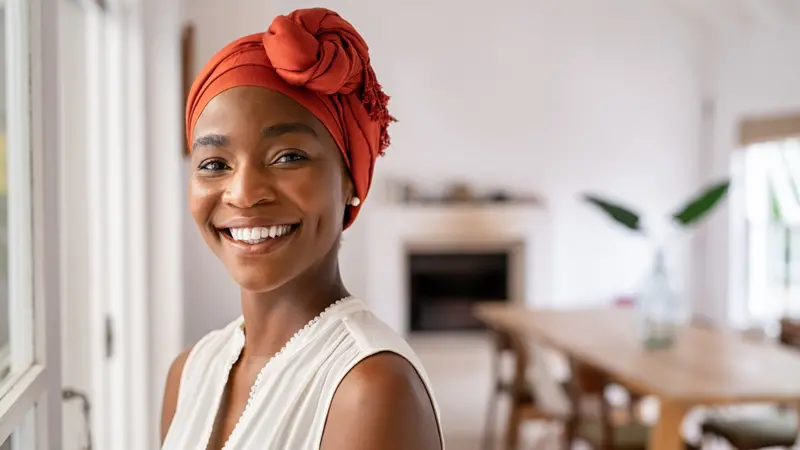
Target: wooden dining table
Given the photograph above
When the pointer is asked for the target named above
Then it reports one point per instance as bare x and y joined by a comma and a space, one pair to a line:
704, 367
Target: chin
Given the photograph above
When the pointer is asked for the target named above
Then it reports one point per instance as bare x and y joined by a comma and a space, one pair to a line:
256, 277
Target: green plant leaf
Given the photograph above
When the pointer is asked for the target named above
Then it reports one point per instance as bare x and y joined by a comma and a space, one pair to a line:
619, 213
702, 204
775, 207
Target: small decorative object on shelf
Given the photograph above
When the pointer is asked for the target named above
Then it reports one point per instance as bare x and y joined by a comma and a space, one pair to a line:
659, 304
459, 193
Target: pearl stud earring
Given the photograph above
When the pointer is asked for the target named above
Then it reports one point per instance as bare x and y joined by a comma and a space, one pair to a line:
355, 201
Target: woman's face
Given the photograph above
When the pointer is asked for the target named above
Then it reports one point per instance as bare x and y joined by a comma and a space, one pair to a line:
268, 187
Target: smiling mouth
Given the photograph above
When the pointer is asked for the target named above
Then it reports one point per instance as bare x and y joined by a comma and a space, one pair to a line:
258, 235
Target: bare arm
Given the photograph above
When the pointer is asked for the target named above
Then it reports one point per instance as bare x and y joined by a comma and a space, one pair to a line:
171, 392
381, 404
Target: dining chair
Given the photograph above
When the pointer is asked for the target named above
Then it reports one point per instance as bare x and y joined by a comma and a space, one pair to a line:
523, 405
774, 428
599, 431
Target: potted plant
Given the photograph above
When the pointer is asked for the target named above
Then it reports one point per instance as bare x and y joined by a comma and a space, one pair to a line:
658, 299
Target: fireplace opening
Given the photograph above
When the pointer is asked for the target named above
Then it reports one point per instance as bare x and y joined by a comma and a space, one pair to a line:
444, 286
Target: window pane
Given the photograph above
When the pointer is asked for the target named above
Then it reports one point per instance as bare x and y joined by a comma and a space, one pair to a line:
21, 383
4, 281
773, 224
23, 437
16, 249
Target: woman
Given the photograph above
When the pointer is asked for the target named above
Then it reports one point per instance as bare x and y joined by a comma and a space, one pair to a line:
285, 127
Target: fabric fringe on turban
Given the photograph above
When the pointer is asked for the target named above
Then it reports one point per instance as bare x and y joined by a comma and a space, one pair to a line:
318, 59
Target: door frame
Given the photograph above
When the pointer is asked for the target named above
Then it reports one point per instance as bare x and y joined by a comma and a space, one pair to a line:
134, 212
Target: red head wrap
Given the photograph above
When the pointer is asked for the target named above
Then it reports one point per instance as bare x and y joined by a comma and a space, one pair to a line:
319, 60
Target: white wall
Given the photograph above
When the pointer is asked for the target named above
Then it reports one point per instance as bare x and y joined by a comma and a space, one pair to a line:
551, 97
756, 73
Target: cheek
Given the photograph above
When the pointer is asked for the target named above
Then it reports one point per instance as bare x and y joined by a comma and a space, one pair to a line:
201, 201
319, 193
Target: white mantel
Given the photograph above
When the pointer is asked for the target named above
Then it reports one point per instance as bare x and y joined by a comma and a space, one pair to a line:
393, 229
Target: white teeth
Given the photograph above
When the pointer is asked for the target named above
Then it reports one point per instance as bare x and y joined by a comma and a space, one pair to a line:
259, 234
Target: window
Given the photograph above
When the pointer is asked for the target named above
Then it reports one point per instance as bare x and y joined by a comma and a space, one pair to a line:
29, 373
22, 437
772, 185
5, 355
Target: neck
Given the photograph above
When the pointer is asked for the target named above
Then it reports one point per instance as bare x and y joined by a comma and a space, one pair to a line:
272, 318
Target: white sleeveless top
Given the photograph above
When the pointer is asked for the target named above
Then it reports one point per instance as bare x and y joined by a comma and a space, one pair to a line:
289, 408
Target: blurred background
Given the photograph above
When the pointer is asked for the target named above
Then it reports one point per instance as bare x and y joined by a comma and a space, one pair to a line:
510, 113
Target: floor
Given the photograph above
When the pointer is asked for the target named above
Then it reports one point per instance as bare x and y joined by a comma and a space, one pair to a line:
458, 366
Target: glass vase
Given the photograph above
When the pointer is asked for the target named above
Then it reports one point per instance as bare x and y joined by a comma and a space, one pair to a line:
659, 308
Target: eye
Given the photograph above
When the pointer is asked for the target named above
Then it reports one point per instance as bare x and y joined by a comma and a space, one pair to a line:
292, 156
213, 165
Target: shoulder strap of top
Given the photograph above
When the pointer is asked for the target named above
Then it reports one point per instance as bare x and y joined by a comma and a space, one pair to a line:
374, 337
202, 354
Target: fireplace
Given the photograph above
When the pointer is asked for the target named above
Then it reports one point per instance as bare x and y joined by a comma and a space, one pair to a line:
444, 286
487, 239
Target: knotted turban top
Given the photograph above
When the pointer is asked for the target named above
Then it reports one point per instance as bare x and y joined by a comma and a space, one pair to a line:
318, 59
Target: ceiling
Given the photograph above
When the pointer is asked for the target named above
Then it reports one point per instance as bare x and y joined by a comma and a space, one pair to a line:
735, 16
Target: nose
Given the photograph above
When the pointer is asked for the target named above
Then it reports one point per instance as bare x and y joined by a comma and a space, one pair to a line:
249, 186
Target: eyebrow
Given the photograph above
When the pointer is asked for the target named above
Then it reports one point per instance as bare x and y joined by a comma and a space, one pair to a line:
273, 131
210, 140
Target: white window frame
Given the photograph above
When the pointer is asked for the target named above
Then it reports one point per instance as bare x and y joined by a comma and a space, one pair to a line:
30, 403
770, 166
135, 283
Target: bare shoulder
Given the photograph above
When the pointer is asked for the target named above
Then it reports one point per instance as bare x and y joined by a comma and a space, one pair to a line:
171, 390
382, 403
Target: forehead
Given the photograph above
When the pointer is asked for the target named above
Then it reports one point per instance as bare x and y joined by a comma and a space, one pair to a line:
250, 106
